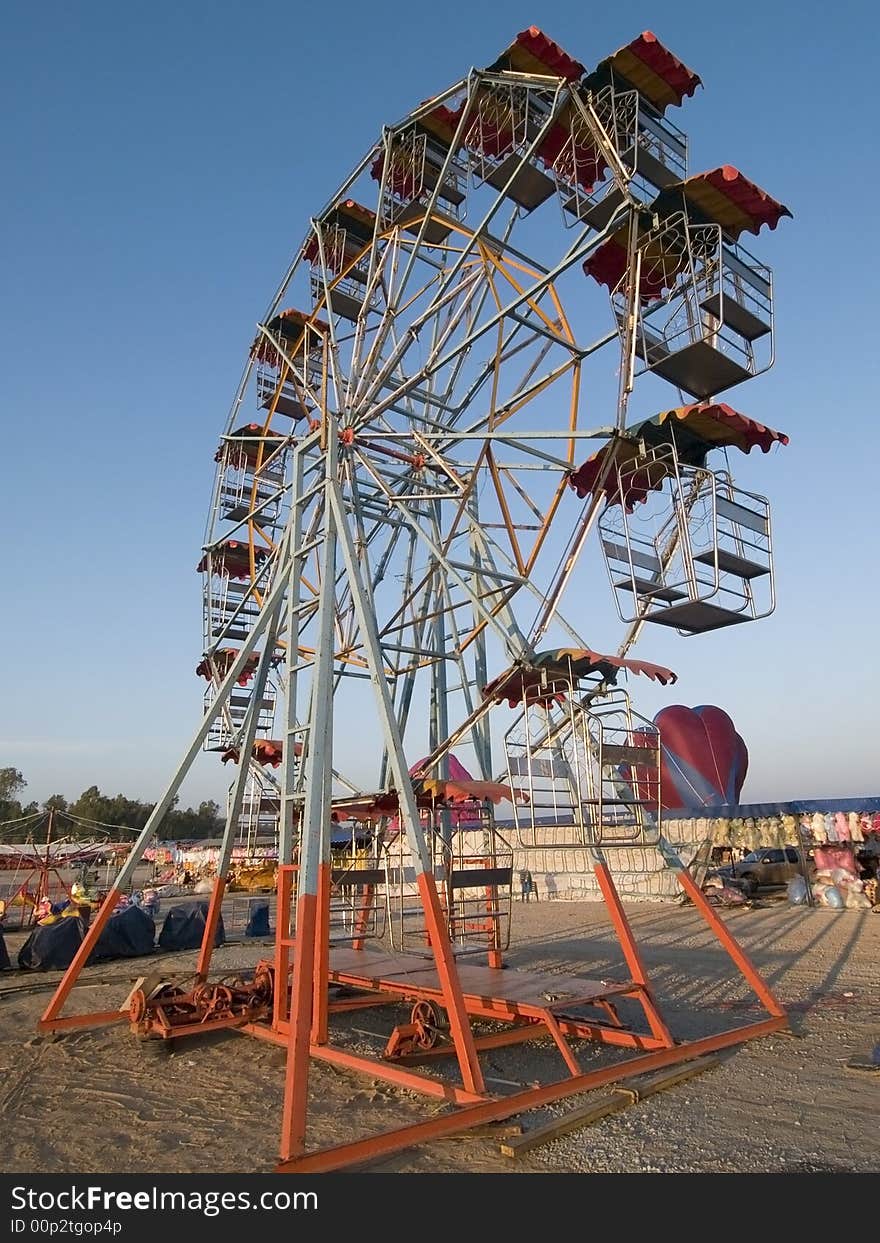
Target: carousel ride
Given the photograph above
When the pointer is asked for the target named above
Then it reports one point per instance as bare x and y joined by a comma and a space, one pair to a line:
49, 864
394, 524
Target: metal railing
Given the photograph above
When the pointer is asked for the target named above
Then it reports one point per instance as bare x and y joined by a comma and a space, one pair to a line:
587, 773
694, 540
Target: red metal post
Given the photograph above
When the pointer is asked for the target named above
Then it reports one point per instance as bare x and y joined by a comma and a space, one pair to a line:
343, 1155
71, 975
562, 1044
363, 918
296, 1076
631, 952
453, 998
284, 889
210, 933
734, 949
394, 1073
320, 978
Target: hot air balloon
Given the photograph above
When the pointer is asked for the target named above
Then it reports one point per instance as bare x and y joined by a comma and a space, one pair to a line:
457, 770
703, 760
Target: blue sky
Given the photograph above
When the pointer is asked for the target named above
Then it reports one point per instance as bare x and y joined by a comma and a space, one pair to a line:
160, 164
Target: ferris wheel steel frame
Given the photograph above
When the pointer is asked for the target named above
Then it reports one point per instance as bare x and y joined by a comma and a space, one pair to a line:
409, 468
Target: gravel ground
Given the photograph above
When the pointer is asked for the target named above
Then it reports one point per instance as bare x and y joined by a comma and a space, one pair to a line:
101, 1101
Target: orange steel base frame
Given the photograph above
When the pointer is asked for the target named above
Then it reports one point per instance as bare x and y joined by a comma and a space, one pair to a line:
300, 1015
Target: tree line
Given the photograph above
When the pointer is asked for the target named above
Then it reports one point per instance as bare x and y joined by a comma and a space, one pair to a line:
110, 811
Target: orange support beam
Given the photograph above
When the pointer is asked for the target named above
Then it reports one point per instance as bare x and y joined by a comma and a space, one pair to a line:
296, 1077
631, 952
363, 917
284, 890
344, 1155
737, 954
321, 975
50, 1020
453, 998
210, 933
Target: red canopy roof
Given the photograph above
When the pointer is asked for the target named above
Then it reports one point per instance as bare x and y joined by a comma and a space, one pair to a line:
536, 680
428, 793
290, 325
233, 559
406, 177
725, 196
351, 216
349, 213
584, 164
265, 751
534, 52
451, 791
223, 660
244, 444
694, 429
442, 122
662, 260
653, 70
366, 807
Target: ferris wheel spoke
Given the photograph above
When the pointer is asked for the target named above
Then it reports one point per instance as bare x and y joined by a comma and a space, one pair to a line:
379, 367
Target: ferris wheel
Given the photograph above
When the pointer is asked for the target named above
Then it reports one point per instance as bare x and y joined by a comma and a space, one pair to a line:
422, 350
408, 477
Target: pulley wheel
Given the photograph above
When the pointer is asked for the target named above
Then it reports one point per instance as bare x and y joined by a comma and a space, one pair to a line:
431, 1023
137, 1006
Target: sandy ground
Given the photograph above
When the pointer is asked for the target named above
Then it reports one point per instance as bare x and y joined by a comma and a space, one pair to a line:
101, 1101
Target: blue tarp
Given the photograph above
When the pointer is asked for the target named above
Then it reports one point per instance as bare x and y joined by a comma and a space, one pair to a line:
127, 934
340, 835
258, 919
184, 926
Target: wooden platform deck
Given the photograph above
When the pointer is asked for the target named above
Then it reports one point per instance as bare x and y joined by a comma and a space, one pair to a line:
527, 993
